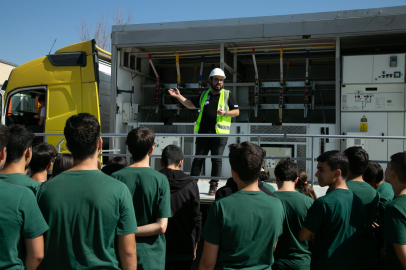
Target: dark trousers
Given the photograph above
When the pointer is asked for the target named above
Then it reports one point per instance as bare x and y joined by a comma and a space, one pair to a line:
216, 147
179, 265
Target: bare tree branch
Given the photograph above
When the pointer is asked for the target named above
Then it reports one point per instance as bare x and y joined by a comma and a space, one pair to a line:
102, 31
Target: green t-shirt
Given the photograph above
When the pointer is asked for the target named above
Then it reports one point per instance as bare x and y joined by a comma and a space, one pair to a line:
290, 252
245, 226
386, 195
20, 218
152, 200
395, 230
338, 220
20, 179
85, 211
370, 199
269, 187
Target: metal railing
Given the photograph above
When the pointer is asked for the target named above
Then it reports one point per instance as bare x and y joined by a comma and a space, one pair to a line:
311, 136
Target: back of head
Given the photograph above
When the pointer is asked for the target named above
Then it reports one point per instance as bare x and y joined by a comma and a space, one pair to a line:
287, 170
109, 169
303, 186
42, 155
398, 165
20, 139
246, 160
263, 175
82, 133
171, 155
118, 160
373, 173
139, 142
357, 160
62, 163
336, 160
4, 136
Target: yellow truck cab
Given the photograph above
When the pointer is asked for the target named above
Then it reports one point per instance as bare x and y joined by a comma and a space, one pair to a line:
69, 80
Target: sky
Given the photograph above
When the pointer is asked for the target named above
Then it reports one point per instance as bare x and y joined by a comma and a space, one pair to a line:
28, 28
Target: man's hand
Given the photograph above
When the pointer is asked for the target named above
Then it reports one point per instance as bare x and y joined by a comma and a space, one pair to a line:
221, 112
375, 225
174, 92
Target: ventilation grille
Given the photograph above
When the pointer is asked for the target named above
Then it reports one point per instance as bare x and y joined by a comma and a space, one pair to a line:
260, 129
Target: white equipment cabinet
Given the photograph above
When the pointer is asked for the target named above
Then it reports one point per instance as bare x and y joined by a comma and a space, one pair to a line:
373, 86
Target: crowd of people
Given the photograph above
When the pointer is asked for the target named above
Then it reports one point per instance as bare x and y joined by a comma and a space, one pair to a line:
129, 217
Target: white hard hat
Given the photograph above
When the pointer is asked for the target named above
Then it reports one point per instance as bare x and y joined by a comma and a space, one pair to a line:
217, 72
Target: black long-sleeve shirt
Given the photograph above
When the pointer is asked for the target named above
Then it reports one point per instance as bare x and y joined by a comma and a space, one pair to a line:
184, 227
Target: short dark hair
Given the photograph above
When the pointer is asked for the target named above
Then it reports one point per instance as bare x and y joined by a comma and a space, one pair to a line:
246, 160
4, 136
82, 132
20, 140
336, 160
373, 173
118, 160
287, 170
398, 165
42, 155
263, 175
357, 160
62, 163
139, 142
41, 98
111, 168
171, 155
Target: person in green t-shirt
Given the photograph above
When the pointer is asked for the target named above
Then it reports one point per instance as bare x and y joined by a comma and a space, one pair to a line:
291, 253
151, 198
19, 154
242, 229
43, 155
358, 160
90, 215
374, 176
395, 214
335, 221
21, 222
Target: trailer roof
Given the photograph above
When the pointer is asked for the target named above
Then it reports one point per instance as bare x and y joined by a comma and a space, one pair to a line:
264, 29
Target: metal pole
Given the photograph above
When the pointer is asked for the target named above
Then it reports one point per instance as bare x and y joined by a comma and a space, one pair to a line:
338, 87
222, 55
312, 163
259, 140
113, 91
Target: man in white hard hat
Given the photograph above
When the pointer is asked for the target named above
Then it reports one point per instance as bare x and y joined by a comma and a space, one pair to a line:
217, 106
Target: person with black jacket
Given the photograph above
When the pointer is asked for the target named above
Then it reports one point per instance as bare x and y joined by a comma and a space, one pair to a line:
231, 187
183, 231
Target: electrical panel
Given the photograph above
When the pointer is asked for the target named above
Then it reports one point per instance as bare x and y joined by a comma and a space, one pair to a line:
162, 142
365, 69
373, 97
358, 142
389, 68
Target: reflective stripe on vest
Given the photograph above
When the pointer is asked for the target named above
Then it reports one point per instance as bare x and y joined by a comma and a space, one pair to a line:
223, 123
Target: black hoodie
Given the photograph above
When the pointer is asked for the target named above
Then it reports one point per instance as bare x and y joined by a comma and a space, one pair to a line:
185, 225
231, 187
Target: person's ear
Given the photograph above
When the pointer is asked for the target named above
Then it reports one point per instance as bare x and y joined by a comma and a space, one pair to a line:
67, 146
49, 167
277, 179
151, 150
3, 154
28, 153
337, 173
297, 179
180, 164
100, 144
162, 164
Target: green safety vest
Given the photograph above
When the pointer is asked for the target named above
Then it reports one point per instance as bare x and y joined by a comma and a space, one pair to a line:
223, 123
